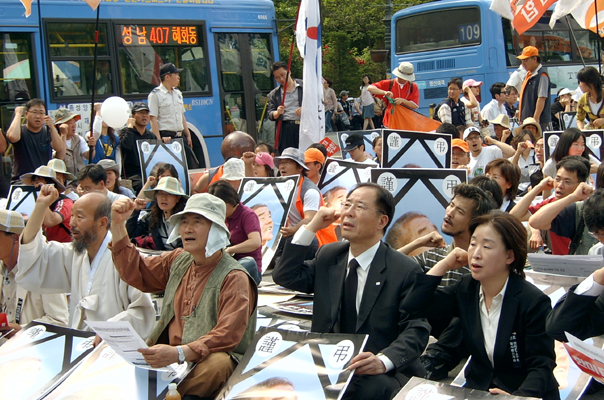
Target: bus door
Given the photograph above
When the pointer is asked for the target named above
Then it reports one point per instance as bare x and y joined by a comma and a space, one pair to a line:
244, 70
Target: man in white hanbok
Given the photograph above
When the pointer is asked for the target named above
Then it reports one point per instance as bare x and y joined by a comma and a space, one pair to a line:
83, 268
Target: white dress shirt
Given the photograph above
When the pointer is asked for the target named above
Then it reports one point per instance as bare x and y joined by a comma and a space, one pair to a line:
489, 320
304, 237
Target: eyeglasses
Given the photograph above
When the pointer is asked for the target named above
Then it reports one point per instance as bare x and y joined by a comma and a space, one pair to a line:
36, 112
359, 207
598, 236
565, 182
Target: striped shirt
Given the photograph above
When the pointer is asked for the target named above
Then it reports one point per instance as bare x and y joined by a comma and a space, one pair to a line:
430, 258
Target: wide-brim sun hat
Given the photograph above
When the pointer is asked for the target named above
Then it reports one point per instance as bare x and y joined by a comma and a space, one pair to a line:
404, 71
233, 170
60, 168
62, 115
45, 172
167, 184
291, 153
206, 205
501, 119
11, 222
529, 121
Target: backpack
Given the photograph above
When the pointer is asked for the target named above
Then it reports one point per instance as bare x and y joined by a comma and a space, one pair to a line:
446, 101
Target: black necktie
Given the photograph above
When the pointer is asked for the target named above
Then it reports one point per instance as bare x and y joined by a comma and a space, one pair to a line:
348, 320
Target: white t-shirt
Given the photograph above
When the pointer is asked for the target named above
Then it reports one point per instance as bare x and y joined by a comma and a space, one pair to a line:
83, 145
311, 202
477, 164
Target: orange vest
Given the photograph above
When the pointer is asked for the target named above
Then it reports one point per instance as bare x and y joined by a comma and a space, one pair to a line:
216, 177
325, 235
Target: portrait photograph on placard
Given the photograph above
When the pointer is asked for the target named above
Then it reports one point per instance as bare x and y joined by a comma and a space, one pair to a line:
368, 137
421, 197
22, 199
154, 153
38, 357
593, 142
406, 149
339, 177
271, 199
106, 375
319, 361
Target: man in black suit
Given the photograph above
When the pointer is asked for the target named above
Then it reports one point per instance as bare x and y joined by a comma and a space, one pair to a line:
581, 311
359, 287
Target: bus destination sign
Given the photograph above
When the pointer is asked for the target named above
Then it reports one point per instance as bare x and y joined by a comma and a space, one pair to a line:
156, 35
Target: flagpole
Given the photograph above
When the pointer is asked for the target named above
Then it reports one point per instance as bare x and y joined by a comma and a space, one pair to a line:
599, 37
289, 66
92, 113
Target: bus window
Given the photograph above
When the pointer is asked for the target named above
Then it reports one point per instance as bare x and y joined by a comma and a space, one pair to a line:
16, 66
556, 46
71, 49
438, 30
144, 48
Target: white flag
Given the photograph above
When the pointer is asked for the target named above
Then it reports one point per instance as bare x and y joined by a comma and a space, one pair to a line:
503, 8
308, 38
565, 7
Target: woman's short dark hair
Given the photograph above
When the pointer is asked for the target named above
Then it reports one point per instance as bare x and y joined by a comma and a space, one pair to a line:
224, 191
368, 77
591, 76
518, 138
512, 233
167, 167
511, 173
384, 200
376, 140
490, 187
566, 140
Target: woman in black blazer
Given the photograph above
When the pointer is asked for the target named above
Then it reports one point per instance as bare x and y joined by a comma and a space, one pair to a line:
502, 315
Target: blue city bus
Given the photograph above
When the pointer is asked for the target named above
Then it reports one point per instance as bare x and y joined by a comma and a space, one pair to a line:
226, 48
463, 38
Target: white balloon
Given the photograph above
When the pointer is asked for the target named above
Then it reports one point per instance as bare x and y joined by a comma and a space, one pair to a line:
115, 112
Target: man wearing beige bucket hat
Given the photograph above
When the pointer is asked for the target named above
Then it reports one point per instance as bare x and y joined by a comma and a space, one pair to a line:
212, 325
21, 306
83, 268
76, 147
58, 215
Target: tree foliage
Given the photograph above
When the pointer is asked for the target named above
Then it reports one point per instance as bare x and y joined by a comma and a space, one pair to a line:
350, 30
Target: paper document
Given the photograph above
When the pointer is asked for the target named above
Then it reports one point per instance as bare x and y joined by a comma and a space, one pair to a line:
582, 266
124, 340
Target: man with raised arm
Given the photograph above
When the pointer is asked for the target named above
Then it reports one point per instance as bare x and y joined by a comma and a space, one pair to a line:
208, 312
83, 267
359, 286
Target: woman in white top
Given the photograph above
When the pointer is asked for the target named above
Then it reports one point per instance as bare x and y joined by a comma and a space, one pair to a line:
525, 157
367, 103
502, 316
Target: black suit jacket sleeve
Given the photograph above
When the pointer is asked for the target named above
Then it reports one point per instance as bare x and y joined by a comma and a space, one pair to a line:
579, 315
539, 351
426, 300
294, 273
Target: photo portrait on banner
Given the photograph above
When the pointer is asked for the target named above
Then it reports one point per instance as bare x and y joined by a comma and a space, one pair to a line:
271, 199
153, 153
406, 149
320, 361
421, 197
22, 199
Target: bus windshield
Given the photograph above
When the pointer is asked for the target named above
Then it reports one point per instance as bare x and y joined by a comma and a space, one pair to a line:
438, 30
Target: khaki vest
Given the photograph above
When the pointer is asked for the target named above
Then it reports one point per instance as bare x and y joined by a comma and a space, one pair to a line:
205, 316
74, 161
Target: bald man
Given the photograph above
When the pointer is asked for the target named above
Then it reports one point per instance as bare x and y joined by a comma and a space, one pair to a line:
234, 145
83, 268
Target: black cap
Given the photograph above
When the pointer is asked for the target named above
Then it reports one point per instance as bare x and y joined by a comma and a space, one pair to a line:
353, 141
168, 68
140, 106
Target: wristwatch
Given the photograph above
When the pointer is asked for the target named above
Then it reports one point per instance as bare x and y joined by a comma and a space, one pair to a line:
181, 355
